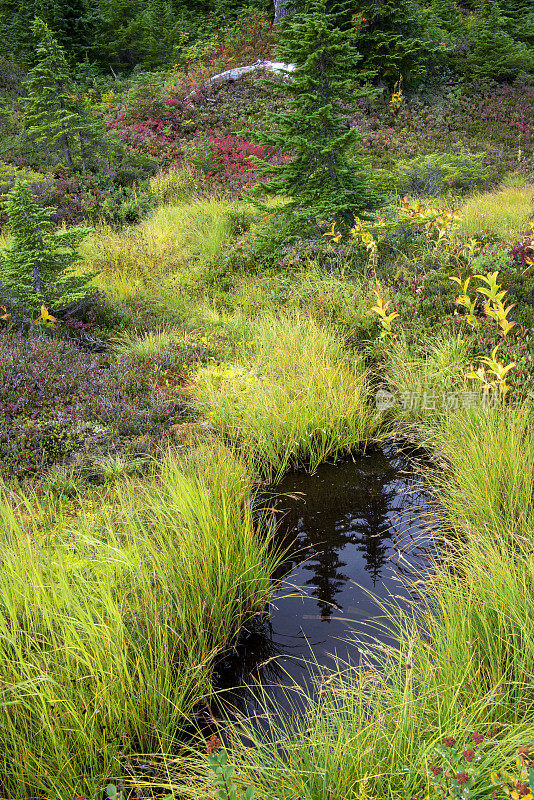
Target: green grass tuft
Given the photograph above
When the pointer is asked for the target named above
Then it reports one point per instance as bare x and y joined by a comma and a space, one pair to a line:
110, 621
294, 399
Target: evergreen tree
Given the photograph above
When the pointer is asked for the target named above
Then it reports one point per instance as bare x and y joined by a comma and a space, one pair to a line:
395, 40
54, 117
113, 20
519, 20
446, 16
491, 52
158, 32
314, 131
69, 19
35, 269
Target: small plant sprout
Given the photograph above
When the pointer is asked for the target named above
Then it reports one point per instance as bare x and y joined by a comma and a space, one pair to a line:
499, 313
497, 370
223, 773
439, 221
45, 318
493, 305
471, 248
442, 224
384, 318
361, 231
335, 237
491, 290
465, 301
397, 98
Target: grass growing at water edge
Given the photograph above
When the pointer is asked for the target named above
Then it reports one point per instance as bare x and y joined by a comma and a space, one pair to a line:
464, 661
111, 621
294, 398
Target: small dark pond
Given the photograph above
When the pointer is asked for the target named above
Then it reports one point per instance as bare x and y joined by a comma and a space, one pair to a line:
355, 528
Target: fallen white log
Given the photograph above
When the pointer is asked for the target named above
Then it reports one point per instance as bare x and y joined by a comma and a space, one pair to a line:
232, 75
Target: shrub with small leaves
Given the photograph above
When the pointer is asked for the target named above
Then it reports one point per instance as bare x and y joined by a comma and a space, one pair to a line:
436, 173
57, 401
459, 770
222, 771
522, 253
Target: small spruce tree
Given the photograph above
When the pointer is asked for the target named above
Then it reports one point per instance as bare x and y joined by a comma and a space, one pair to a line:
446, 15
36, 268
53, 115
319, 179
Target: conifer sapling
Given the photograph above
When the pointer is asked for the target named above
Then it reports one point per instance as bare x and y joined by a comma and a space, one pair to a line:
54, 116
320, 180
36, 267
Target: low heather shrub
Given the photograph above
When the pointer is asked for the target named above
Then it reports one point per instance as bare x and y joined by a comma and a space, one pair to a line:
522, 253
57, 401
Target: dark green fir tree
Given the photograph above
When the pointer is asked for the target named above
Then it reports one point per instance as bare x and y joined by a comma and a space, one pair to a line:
314, 131
118, 25
396, 40
519, 20
158, 26
491, 53
446, 16
69, 19
55, 118
36, 268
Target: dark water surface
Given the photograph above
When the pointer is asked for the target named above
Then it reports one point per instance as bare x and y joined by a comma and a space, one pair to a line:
355, 528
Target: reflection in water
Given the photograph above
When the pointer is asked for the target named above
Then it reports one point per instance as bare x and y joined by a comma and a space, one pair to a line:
349, 529
344, 505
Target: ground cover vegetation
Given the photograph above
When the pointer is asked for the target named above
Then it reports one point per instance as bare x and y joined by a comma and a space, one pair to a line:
204, 287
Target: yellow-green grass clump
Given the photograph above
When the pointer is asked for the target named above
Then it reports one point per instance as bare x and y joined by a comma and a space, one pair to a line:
463, 663
464, 655
109, 622
175, 239
427, 371
178, 184
505, 213
294, 398
488, 485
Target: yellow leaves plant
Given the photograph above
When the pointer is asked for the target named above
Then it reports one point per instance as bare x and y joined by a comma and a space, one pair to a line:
335, 237
518, 785
385, 320
366, 237
465, 301
437, 222
45, 318
492, 306
496, 369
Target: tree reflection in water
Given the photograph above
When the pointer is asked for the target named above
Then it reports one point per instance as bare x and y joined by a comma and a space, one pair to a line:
344, 527
365, 504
